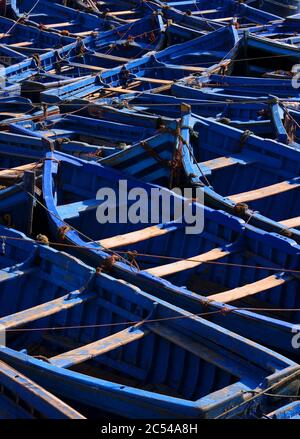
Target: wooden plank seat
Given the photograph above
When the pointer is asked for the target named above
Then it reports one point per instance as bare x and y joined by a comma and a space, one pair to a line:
5, 275
57, 25
250, 289
18, 171
265, 192
120, 13
224, 162
133, 237
187, 264
45, 309
85, 66
21, 44
291, 222
107, 56
99, 347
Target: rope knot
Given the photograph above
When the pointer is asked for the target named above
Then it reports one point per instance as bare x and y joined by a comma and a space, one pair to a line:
43, 239
225, 310
62, 231
240, 208
109, 262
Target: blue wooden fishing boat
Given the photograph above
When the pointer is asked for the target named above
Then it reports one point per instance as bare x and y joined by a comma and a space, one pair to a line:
124, 351
52, 16
236, 89
29, 40
152, 71
123, 11
84, 57
133, 40
267, 119
19, 181
79, 136
224, 11
21, 398
194, 271
14, 107
283, 8
221, 150
265, 56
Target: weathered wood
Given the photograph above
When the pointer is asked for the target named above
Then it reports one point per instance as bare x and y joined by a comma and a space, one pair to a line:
18, 171
86, 66
224, 162
291, 222
249, 289
56, 25
264, 192
44, 310
99, 347
187, 264
22, 44
133, 237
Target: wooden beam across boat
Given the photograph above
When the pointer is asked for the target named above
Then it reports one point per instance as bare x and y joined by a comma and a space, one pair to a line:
99, 347
264, 192
22, 44
250, 289
133, 237
17, 171
225, 161
187, 264
107, 56
57, 25
291, 222
45, 310
86, 66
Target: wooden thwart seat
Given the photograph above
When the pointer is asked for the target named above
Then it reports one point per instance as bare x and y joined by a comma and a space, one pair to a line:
187, 264
133, 237
17, 171
57, 25
22, 44
291, 222
264, 192
86, 66
224, 162
250, 289
99, 347
44, 310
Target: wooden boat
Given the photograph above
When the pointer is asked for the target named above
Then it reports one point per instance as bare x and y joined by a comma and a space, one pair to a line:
133, 40
283, 8
21, 398
19, 183
154, 160
14, 107
90, 56
219, 263
124, 351
29, 40
93, 135
52, 16
124, 11
225, 12
9, 56
222, 149
265, 56
267, 119
154, 70
236, 88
